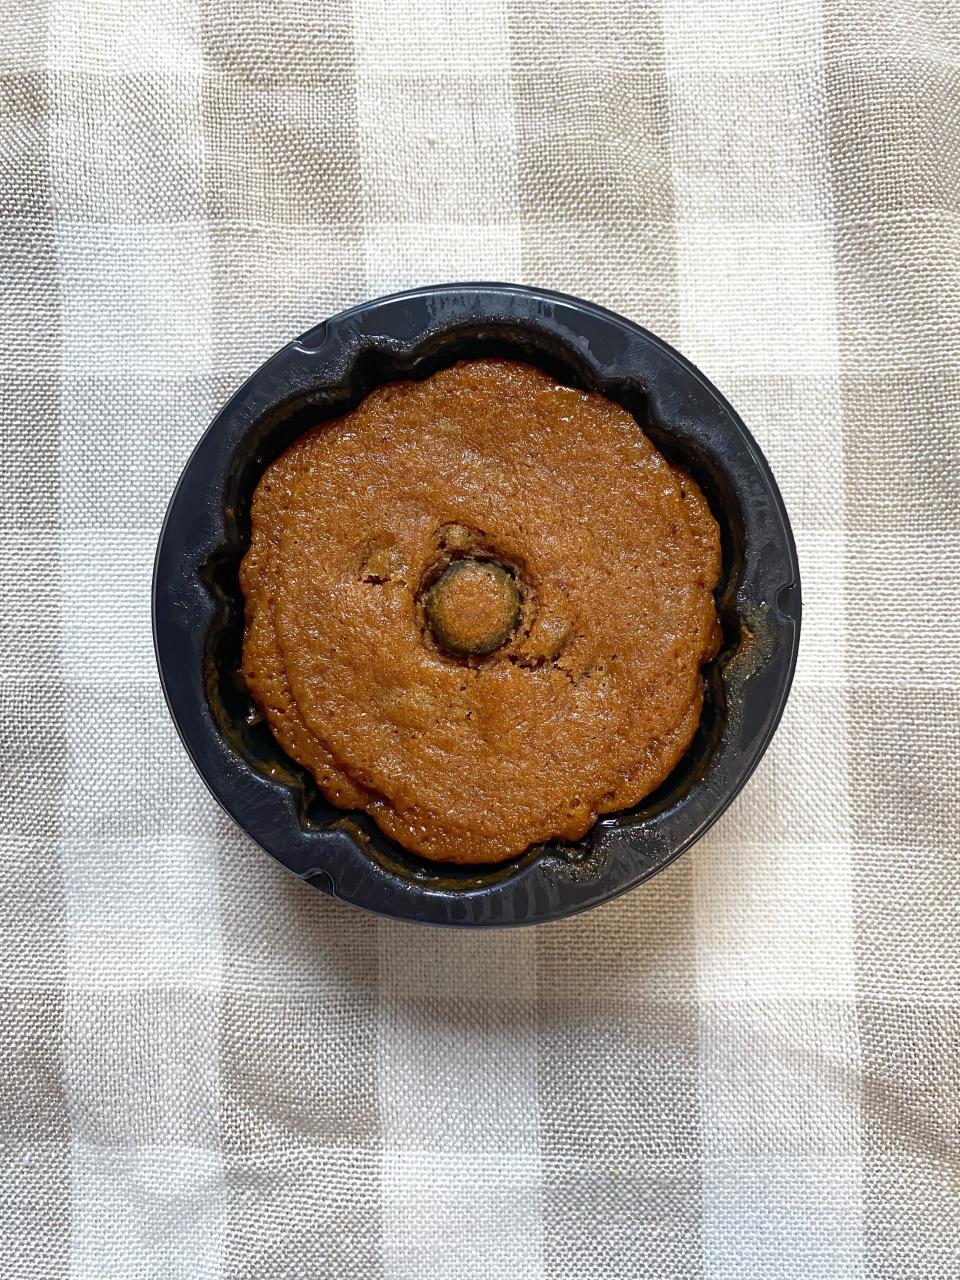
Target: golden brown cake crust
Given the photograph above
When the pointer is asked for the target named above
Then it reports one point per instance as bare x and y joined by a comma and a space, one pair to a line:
594, 695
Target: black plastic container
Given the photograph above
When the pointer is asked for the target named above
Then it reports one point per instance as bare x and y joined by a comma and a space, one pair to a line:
198, 607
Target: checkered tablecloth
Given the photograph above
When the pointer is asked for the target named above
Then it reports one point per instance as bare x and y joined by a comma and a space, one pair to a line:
748, 1069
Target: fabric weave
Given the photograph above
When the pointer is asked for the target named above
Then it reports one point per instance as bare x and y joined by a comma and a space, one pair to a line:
749, 1068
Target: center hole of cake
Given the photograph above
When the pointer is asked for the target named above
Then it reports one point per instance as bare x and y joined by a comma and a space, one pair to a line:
473, 607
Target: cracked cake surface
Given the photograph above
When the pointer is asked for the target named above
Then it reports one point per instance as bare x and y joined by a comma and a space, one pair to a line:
477, 607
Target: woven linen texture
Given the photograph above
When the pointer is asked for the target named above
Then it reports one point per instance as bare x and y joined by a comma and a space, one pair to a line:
746, 1070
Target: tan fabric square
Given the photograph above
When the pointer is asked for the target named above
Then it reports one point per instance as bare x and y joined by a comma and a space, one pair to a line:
902, 455
618, 1081
618, 1216
592, 114
899, 301
619, 35
899, 1240
303, 1213
886, 135
911, 1110
284, 153
31, 959
594, 145
900, 798
29, 442
32, 1112
277, 42
24, 103
915, 34
908, 908
28, 276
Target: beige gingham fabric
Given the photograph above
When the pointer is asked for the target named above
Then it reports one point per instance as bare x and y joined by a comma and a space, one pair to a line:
748, 1069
